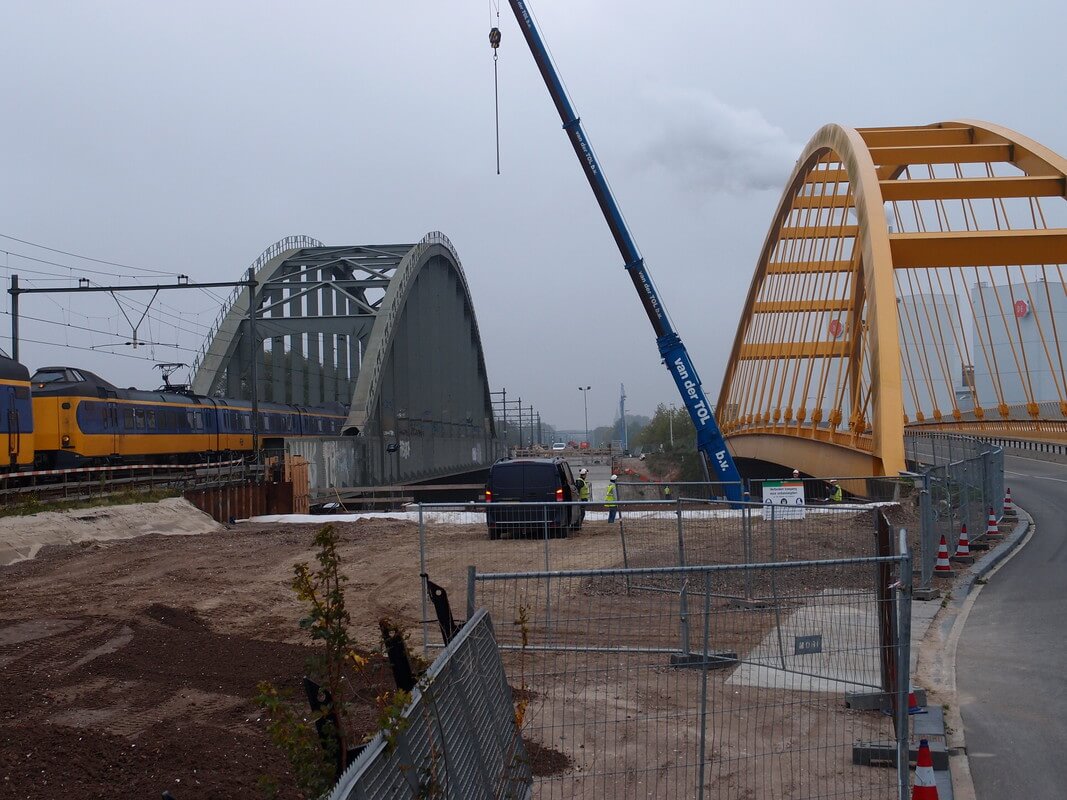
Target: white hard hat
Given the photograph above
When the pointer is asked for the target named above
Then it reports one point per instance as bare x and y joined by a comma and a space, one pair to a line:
582, 471
614, 477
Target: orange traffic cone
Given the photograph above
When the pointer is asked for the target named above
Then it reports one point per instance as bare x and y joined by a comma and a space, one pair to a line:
913, 702
1009, 506
963, 549
924, 787
942, 568
991, 529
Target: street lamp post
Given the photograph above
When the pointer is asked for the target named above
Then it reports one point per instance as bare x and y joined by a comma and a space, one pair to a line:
585, 402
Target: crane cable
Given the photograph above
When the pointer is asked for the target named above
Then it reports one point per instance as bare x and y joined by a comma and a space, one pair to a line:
494, 42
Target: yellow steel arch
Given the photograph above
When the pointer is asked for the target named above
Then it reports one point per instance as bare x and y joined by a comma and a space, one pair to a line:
911, 277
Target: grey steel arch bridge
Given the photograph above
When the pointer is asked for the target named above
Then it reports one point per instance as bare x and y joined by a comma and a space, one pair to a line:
389, 331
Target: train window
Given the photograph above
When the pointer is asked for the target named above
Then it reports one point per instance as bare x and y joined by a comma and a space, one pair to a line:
43, 376
246, 422
266, 422
139, 419
150, 420
127, 419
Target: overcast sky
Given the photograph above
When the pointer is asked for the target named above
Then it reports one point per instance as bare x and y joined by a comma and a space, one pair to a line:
187, 137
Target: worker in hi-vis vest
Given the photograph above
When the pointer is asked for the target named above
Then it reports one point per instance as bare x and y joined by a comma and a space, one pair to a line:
836, 495
584, 487
610, 498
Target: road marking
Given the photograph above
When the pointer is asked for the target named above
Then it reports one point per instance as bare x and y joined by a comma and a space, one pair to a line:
1036, 477
1038, 460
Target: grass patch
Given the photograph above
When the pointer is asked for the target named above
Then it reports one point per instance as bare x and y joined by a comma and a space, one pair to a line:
34, 505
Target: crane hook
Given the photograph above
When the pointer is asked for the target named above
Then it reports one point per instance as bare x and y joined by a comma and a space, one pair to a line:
494, 38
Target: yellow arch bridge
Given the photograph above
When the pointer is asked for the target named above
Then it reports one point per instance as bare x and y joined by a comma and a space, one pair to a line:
911, 280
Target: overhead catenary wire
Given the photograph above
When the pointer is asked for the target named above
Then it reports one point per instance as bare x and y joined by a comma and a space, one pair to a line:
106, 262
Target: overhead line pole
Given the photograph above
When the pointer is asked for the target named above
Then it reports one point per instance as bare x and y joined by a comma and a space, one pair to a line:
16, 291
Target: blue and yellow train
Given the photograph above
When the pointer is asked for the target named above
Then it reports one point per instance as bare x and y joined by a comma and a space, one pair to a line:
65, 417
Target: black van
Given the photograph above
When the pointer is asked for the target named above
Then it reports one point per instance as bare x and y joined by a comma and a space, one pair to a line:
542, 482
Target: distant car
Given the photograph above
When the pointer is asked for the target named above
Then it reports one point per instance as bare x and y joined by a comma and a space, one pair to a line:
583, 445
545, 484
559, 445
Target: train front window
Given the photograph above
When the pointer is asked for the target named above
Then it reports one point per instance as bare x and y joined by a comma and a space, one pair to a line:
43, 376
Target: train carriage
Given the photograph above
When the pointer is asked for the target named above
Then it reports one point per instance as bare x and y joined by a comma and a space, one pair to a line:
16, 415
82, 420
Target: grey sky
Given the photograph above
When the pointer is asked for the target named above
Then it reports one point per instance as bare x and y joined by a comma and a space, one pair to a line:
187, 137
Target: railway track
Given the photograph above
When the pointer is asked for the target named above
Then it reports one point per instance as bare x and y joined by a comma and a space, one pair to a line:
84, 483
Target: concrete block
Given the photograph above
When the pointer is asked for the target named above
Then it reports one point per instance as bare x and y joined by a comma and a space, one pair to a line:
720, 660
875, 754
877, 701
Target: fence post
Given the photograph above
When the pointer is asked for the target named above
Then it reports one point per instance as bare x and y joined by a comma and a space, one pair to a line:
472, 572
989, 499
424, 578
704, 684
683, 616
926, 534
548, 582
903, 604
625, 557
681, 532
746, 545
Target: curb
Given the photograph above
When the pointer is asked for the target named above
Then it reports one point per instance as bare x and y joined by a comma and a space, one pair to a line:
949, 627
990, 560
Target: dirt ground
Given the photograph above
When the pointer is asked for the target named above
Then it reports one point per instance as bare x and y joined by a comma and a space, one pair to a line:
131, 664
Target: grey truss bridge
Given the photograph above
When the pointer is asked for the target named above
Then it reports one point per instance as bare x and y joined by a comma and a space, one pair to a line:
388, 331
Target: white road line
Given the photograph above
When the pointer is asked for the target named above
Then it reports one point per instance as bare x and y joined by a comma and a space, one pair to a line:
1038, 460
1035, 477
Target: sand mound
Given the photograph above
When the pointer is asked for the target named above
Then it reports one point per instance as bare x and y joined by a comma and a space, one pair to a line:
23, 537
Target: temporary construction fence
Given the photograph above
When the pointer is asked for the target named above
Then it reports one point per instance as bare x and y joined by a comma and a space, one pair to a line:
962, 480
457, 739
643, 489
644, 534
689, 691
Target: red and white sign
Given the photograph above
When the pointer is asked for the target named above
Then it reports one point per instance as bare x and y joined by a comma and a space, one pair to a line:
836, 328
1022, 308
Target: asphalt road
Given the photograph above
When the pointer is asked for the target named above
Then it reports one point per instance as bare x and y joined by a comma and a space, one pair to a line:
1012, 655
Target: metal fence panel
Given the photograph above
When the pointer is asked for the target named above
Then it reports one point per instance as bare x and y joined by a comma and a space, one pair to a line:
692, 692
460, 740
453, 537
964, 483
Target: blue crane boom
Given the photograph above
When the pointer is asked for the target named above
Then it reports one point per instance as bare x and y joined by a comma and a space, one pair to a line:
710, 442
